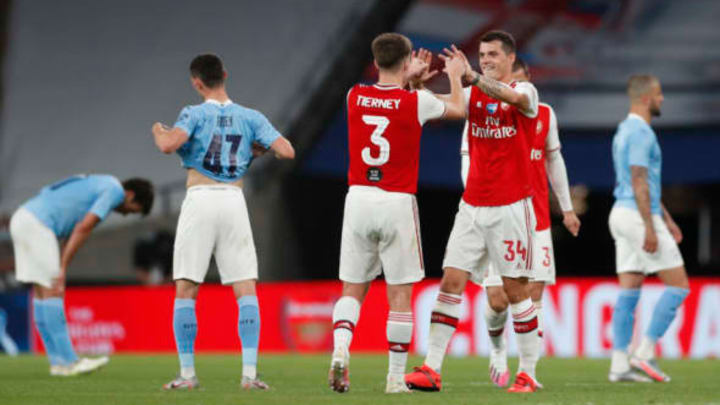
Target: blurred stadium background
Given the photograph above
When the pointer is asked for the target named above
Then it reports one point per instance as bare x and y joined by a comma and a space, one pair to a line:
82, 82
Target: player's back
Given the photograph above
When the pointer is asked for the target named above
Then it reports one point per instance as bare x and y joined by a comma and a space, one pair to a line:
220, 138
62, 204
383, 137
635, 144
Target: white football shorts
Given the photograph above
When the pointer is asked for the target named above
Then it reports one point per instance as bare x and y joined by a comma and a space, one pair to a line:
628, 230
37, 251
214, 221
543, 262
501, 237
381, 232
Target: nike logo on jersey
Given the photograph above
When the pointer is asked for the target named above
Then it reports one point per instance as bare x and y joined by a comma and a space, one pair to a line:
372, 102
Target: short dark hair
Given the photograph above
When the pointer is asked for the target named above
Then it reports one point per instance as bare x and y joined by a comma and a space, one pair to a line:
520, 64
144, 192
389, 49
507, 40
640, 84
209, 69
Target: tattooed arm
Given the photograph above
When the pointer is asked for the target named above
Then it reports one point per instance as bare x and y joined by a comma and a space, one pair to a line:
525, 98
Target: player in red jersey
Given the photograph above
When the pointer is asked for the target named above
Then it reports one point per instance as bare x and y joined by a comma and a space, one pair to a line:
546, 162
380, 224
495, 222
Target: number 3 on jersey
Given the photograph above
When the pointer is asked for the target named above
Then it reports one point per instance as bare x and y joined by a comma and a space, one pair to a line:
380, 123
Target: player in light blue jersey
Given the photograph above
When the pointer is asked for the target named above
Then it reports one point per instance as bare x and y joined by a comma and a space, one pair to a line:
645, 234
216, 140
68, 210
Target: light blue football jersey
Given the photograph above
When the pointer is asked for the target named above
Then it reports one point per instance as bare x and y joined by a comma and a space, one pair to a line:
221, 137
63, 204
635, 144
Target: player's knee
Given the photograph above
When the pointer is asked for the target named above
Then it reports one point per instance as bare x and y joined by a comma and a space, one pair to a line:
516, 292
498, 305
497, 299
185, 289
536, 291
453, 281
678, 279
355, 290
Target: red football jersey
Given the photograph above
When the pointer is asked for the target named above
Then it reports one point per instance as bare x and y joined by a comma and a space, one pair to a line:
498, 147
383, 137
541, 195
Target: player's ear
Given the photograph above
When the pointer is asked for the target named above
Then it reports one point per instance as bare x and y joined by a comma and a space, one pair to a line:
197, 83
376, 65
129, 196
224, 74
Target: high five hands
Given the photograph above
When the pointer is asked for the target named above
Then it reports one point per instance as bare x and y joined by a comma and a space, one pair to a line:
420, 71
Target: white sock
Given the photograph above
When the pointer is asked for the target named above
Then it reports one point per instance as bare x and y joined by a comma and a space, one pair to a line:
187, 372
345, 316
525, 324
495, 322
443, 322
540, 330
249, 371
646, 349
539, 312
619, 362
399, 334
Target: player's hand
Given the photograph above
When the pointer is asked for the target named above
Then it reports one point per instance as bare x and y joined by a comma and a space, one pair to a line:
651, 241
58, 283
426, 56
571, 222
455, 52
258, 150
675, 231
417, 67
158, 127
454, 67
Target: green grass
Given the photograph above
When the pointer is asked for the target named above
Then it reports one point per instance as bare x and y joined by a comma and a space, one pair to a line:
296, 379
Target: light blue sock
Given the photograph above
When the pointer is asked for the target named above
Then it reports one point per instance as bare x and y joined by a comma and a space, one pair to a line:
665, 311
624, 318
249, 331
185, 328
39, 317
56, 324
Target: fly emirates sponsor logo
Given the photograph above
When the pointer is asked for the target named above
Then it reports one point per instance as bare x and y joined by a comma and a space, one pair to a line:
492, 129
372, 102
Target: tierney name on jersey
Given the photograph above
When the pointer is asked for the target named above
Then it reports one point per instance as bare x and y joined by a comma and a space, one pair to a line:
372, 102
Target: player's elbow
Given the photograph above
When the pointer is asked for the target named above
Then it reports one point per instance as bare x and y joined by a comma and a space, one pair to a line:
455, 112
283, 149
166, 147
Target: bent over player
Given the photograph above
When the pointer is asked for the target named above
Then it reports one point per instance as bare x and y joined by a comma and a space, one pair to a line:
645, 234
215, 140
495, 222
380, 224
546, 162
68, 209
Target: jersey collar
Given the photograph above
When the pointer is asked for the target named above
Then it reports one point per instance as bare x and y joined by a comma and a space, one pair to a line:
637, 117
212, 101
386, 86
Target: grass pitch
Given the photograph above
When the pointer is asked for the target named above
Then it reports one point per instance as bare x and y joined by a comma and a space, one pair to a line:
301, 379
